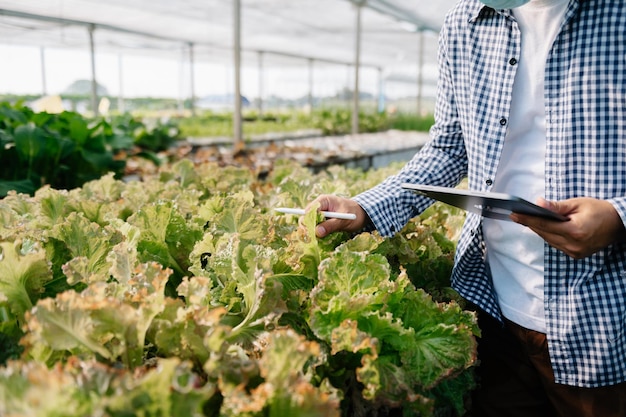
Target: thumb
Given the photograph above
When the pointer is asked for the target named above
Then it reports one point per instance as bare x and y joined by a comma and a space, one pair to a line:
327, 227
560, 207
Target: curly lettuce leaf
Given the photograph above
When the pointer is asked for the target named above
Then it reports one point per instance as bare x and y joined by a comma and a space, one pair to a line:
304, 253
109, 320
24, 272
242, 281
350, 285
166, 237
408, 343
286, 388
87, 245
192, 333
53, 205
170, 389
234, 213
227, 180
86, 388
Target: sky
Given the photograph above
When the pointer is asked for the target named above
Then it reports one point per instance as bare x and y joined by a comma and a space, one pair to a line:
142, 76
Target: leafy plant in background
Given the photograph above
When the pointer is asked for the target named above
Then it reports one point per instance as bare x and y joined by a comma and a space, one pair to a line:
407, 121
337, 121
185, 294
66, 150
211, 124
63, 150
149, 134
330, 121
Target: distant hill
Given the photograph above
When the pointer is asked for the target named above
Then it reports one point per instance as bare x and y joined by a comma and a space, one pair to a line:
83, 87
220, 102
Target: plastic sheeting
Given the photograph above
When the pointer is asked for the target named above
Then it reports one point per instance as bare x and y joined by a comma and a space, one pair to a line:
287, 31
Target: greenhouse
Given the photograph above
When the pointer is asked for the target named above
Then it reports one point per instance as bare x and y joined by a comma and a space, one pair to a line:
144, 268
217, 49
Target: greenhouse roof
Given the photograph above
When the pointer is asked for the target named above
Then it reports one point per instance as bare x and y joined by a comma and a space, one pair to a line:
286, 30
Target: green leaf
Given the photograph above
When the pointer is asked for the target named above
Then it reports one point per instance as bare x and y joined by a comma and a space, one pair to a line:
234, 214
88, 244
110, 320
165, 236
20, 186
79, 132
64, 323
23, 274
30, 141
304, 253
350, 284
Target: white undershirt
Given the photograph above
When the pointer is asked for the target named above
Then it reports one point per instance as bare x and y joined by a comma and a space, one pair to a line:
515, 253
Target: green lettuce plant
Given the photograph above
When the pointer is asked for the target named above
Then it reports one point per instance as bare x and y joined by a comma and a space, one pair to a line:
186, 293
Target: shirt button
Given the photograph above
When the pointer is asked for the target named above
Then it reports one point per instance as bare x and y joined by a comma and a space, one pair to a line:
512, 61
503, 121
489, 182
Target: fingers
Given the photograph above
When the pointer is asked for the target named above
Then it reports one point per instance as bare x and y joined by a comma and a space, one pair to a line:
327, 227
593, 225
329, 202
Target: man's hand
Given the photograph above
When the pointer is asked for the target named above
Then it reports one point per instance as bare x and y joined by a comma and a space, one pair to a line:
343, 205
593, 225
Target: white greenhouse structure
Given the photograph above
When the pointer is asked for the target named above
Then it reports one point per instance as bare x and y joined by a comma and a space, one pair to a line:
209, 51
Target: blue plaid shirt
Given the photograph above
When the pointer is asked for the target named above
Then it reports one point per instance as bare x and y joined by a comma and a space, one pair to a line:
585, 108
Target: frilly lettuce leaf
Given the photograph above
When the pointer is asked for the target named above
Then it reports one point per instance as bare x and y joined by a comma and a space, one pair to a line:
54, 206
304, 254
350, 284
234, 213
224, 180
123, 257
407, 342
191, 333
24, 271
33, 389
170, 389
286, 389
18, 215
87, 388
87, 245
110, 320
240, 279
166, 237
186, 173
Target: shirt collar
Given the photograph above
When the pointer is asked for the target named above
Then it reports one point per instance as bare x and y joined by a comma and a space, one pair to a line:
477, 10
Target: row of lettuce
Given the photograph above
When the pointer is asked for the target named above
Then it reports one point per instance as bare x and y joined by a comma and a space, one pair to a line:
186, 294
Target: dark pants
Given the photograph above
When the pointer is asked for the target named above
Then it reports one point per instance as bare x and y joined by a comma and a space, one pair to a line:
515, 379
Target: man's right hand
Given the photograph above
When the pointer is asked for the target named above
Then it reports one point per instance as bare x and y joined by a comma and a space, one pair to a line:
329, 202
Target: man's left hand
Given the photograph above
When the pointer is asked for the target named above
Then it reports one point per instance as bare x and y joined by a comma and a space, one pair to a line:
593, 225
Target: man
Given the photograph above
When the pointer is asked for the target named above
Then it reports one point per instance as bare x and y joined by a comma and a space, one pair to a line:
531, 102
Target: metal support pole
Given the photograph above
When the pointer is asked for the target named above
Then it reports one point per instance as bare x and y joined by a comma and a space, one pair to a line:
310, 97
44, 86
237, 124
120, 96
192, 85
381, 91
357, 69
182, 92
420, 73
94, 83
261, 79
348, 87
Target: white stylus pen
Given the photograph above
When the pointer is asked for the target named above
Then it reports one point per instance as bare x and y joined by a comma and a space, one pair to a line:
328, 214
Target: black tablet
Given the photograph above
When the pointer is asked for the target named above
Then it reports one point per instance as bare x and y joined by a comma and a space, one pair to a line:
493, 205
